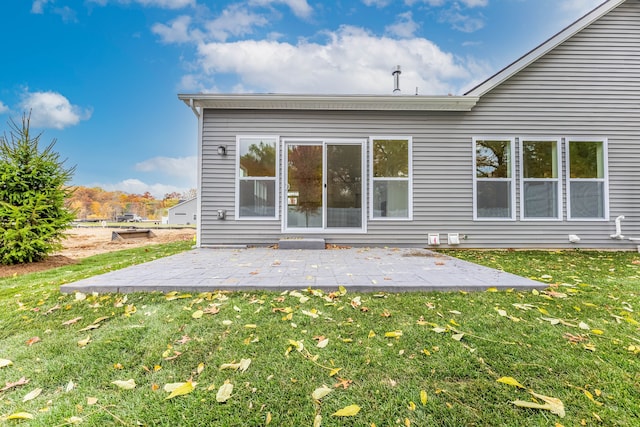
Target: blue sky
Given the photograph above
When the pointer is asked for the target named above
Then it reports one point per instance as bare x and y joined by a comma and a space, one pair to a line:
102, 76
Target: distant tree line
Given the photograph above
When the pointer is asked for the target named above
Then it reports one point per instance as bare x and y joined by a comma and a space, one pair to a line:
98, 204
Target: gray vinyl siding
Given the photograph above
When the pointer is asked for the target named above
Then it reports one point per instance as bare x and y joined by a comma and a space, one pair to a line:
587, 87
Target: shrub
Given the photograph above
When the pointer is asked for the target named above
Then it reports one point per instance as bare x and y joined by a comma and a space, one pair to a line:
32, 195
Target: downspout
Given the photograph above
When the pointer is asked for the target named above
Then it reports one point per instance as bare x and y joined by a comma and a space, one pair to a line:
198, 113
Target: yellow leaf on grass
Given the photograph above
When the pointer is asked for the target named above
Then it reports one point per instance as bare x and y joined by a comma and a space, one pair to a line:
197, 314
510, 381
20, 416
457, 337
125, 385
347, 411
551, 404
590, 396
84, 342
32, 395
323, 343
182, 389
267, 421
393, 334
334, 371
224, 392
423, 397
597, 331
5, 362
317, 421
92, 400
321, 392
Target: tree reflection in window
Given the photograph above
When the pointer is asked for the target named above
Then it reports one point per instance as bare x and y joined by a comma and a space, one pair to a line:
493, 159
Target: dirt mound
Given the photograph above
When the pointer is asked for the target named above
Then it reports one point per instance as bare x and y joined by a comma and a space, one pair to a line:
84, 242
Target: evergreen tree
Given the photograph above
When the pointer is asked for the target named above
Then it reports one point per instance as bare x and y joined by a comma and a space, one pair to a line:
33, 190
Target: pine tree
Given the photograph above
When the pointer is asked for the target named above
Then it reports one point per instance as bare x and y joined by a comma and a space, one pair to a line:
33, 190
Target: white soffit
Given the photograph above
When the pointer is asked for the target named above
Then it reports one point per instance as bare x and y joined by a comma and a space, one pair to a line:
329, 102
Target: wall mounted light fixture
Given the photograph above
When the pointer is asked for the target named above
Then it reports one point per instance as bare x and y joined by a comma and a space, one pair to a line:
222, 150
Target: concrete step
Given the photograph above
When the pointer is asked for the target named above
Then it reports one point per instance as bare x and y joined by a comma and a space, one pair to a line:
301, 243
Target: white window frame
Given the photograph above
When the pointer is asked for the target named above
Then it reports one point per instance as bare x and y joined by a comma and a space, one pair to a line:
557, 180
604, 180
275, 179
512, 180
409, 178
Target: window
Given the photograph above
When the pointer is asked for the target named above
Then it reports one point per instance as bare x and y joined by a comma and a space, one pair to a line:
493, 179
391, 170
540, 188
257, 166
587, 185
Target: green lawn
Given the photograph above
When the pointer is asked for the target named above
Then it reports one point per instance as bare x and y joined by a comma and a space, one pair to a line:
412, 359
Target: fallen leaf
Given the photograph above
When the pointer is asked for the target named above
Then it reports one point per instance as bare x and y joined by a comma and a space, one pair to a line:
32, 341
125, 385
72, 321
74, 420
5, 362
317, 421
552, 404
457, 337
321, 392
92, 401
182, 389
323, 343
423, 397
347, 411
344, 383
32, 395
510, 381
9, 385
83, 343
197, 314
20, 416
224, 392
393, 334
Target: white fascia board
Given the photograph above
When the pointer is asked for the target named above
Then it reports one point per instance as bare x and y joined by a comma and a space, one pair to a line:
329, 102
544, 48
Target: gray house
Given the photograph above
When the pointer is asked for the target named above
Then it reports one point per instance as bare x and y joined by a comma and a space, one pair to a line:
544, 154
184, 213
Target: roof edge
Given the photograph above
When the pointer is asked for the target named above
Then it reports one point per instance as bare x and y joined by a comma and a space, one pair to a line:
544, 48
329, 102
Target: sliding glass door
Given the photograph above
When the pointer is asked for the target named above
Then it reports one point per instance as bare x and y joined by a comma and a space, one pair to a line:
324, 186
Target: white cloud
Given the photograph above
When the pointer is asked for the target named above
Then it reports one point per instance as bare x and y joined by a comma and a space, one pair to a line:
462, 22
300, 8
52, 110
3, 108
135, 186
176, 32
377, 3
164, 4
183, 167
404, 27
352, 61
455, 3
236, 20
37, 6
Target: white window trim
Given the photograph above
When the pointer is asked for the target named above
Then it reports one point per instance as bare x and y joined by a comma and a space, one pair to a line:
323, 142
409, 179
604, 180
276, 179
558, 180
512, 179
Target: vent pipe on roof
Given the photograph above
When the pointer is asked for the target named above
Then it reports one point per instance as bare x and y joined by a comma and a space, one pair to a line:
396, 80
